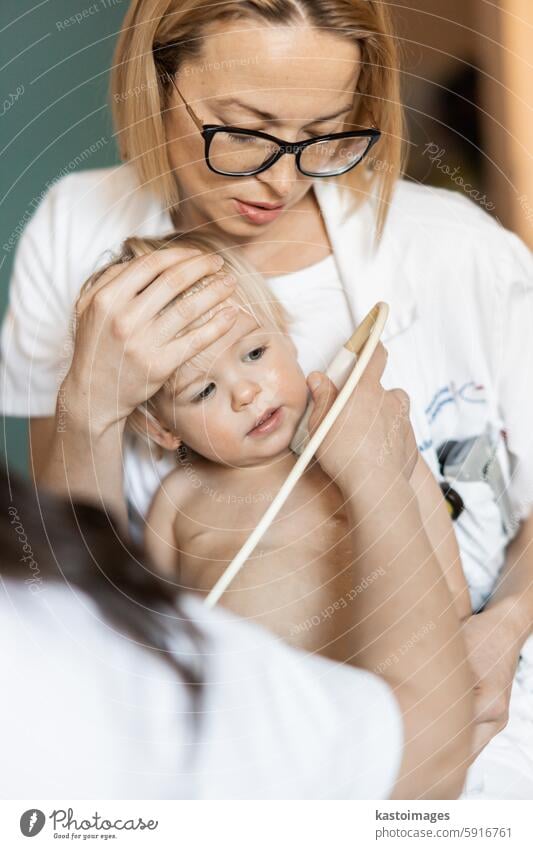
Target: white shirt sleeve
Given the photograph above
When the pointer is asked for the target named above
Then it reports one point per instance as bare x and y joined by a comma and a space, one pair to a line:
78, 224
86, 713
35, 349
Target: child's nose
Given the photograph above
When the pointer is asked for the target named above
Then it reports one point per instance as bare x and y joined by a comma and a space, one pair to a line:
244, 393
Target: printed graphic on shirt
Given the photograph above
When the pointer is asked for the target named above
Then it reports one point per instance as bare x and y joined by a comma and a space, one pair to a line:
469, 393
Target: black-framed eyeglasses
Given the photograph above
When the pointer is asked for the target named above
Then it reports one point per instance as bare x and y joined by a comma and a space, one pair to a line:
236, 152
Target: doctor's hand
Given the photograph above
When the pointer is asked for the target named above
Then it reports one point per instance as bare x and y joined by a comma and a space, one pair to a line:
493, 652
372, 437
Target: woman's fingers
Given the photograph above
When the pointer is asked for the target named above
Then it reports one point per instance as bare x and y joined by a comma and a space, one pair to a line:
126, 317
177, 272
180, 350
177, 268
87, 294
171, 283
171, 318
483, 734
376, 366
137, 273
191, 310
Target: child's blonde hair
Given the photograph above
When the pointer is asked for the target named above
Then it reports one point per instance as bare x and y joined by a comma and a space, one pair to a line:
251, 293
158, 36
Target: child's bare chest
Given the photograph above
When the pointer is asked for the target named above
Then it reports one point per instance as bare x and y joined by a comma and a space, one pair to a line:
306, 551
311, 517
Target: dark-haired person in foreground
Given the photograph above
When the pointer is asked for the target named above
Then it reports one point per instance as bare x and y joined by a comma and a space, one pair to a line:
116, 687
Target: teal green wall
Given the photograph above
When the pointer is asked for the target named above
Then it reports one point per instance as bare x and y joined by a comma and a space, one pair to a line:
54, 71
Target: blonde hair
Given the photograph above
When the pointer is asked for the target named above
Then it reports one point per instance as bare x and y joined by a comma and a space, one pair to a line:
157, 36
251, 293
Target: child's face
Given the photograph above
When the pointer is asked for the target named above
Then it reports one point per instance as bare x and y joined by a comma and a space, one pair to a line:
247, 373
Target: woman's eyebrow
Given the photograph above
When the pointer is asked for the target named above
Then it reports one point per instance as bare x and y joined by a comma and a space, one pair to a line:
268, 116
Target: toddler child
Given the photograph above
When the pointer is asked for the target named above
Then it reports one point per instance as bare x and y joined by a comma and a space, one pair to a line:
230, 414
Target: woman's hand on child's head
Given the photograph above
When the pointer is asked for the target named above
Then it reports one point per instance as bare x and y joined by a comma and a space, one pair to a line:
371, 434
127, 342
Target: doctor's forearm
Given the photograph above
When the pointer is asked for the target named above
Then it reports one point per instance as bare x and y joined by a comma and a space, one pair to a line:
408, 631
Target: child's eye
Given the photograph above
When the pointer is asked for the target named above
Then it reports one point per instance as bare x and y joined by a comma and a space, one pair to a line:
256, 354
205, 393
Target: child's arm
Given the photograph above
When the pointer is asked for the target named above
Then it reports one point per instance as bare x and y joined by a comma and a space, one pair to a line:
439, 528
159, 536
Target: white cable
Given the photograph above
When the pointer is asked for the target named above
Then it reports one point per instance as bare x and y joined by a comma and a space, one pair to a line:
376, 322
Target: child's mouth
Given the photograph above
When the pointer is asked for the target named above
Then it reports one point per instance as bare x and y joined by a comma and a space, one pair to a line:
269, 422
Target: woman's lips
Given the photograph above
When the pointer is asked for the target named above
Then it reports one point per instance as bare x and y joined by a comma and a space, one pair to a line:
269, 425
258, 214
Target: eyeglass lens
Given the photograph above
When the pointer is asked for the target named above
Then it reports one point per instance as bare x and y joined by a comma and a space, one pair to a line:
333, 156
236, 153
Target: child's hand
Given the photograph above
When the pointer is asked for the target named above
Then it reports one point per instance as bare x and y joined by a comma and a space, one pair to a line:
372, 433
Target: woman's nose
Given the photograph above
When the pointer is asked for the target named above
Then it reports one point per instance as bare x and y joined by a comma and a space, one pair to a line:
281, 176
244, 393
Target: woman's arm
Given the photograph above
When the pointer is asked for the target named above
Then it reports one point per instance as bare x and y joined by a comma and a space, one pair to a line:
73, 458
407, 630
126, 346
439, 529
41, 434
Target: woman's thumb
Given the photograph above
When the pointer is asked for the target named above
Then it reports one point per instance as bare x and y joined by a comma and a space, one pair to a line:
323, 393
314, 382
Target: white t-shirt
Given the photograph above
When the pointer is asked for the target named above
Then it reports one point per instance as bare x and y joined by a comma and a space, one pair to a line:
86, 713
304, 294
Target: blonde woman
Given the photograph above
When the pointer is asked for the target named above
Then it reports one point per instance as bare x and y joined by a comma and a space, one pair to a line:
277, 124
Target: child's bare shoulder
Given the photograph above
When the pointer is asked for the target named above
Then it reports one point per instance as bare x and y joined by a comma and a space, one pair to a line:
176, 493
185, 487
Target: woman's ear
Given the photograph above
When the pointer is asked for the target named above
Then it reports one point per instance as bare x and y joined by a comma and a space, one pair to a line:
143, 422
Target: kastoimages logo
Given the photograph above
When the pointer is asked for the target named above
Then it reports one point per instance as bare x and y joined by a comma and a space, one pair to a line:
32, 822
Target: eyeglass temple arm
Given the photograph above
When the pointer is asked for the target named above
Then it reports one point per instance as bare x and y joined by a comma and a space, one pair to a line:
190, 111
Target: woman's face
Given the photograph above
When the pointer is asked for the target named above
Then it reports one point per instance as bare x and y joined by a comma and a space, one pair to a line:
241, 404
292, 82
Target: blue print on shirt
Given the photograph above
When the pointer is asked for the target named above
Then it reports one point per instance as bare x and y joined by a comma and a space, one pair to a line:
469, 392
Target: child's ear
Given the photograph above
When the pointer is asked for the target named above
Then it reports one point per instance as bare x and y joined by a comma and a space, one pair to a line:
144, 422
